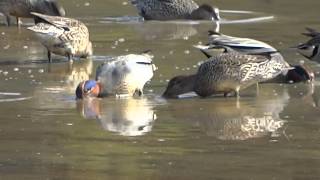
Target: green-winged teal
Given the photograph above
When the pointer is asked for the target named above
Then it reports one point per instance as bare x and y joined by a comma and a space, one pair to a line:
175, 9
226, 73
125, 75
23, 8
298, 73
63, 36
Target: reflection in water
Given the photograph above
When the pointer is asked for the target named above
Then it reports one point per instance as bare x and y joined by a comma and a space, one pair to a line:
18, 44
10, 97
128, 117
72, 74
310, 92
169, 31
227, 119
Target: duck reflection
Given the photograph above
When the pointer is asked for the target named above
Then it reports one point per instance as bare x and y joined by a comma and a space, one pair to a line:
72, 74
227, 119
167, 31
127, 117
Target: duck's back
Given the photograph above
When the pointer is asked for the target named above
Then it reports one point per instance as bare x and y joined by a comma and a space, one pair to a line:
125, 74
231, 71
23, 8
58, 33
165, 9
245, 45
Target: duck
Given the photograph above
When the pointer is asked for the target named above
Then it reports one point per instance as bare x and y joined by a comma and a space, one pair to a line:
310, 49
175, 9
227, 73
298, 73
124, 75
63, 36
23, 9
218, 40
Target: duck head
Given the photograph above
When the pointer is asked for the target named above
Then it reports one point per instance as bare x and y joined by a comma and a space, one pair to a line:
206, 12
179, 85
299, 74
89, 88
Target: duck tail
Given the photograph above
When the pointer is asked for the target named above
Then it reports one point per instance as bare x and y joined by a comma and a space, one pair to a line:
147, 53
300, 46
311, 32
212, 32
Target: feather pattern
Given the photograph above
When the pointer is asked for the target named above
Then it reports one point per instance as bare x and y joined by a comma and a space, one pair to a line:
125, 74
244, 45
165, 9
23, 8
63, 36
310, 49
229, 72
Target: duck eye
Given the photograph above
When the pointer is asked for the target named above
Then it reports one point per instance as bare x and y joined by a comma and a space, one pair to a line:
87, 90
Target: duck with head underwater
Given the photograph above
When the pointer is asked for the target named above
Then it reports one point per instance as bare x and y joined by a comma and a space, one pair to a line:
63, 36
298, 73
124, 75
227, 73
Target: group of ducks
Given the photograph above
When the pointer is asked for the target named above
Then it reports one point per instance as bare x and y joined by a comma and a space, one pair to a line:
244, 61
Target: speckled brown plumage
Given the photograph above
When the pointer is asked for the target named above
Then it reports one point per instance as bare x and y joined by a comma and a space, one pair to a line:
64, 36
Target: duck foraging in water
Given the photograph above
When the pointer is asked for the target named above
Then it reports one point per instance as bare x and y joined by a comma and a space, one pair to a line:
125, 75
63, 36
298, 73
175, 9
227, 73
23, 8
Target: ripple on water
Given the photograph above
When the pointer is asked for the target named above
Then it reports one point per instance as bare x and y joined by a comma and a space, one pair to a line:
12, 97
229, 17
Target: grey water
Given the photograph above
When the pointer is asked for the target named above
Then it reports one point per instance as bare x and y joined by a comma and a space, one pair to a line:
269, 133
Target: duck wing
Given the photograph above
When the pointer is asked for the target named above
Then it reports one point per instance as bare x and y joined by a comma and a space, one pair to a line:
243, 45
60, 22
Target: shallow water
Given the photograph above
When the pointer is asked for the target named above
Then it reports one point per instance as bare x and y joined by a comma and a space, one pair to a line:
45, 133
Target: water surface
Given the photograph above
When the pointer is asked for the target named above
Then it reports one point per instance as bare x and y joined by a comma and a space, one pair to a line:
272, 133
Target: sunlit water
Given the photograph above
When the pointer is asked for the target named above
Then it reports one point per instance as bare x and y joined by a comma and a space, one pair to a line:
269, 133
